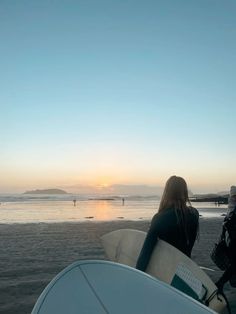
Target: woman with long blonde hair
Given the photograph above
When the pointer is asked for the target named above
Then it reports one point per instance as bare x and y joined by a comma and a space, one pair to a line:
176, 222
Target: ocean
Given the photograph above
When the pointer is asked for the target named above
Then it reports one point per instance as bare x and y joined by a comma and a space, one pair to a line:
25, 208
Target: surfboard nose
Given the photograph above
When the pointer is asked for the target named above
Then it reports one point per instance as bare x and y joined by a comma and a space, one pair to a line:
102, 287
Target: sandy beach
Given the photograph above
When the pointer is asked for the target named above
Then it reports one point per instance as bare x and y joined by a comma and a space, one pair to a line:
32, 254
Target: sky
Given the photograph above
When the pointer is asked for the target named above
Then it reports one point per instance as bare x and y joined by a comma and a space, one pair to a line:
98, 93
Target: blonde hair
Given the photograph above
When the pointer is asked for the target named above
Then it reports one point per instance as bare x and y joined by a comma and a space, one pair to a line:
175, 194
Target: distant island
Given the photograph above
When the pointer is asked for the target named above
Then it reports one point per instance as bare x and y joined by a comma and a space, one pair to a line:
47, 191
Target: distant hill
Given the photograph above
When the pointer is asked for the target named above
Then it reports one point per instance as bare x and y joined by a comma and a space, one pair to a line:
46, 191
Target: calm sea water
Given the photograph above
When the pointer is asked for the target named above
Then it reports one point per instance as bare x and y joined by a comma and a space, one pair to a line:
60, 208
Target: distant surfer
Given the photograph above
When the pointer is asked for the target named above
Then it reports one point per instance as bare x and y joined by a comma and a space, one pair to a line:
74, 201
176, 222
123, 201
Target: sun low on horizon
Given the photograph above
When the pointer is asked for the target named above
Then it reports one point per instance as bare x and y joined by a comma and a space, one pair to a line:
101, 103
103, 185
99, 95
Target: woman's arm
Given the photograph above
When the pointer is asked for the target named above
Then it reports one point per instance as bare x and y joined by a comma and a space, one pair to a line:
148, 246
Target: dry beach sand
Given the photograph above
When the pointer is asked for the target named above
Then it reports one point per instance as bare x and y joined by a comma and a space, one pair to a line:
32, 254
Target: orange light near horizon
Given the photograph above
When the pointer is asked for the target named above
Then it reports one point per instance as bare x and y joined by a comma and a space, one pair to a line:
103, 182
104, 188
103, 185
104, 210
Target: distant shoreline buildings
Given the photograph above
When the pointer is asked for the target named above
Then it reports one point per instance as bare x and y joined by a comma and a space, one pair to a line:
219, 199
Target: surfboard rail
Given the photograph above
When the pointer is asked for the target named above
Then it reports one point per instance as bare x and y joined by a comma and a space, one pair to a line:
166, 264
102, 287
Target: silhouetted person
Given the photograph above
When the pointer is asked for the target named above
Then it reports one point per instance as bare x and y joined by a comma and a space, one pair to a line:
74, 201
229, 229
176, 222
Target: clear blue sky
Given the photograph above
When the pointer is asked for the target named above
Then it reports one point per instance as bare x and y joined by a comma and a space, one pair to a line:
105, 92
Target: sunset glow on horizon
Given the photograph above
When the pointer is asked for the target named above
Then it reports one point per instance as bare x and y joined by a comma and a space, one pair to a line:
98, 94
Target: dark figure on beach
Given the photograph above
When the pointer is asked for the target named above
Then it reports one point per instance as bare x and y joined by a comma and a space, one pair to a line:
123, 201
176, 222
229, 229
74, 201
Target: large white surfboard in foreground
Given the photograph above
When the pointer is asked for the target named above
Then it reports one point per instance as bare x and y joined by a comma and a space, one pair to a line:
167, 264
101, 287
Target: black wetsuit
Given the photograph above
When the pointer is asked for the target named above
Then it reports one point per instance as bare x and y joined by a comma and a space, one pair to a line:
230, 273
166, 226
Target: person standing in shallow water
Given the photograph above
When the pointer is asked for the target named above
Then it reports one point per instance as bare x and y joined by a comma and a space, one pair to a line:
176, 222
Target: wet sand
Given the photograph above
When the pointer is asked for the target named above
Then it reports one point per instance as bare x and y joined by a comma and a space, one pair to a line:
32, 254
